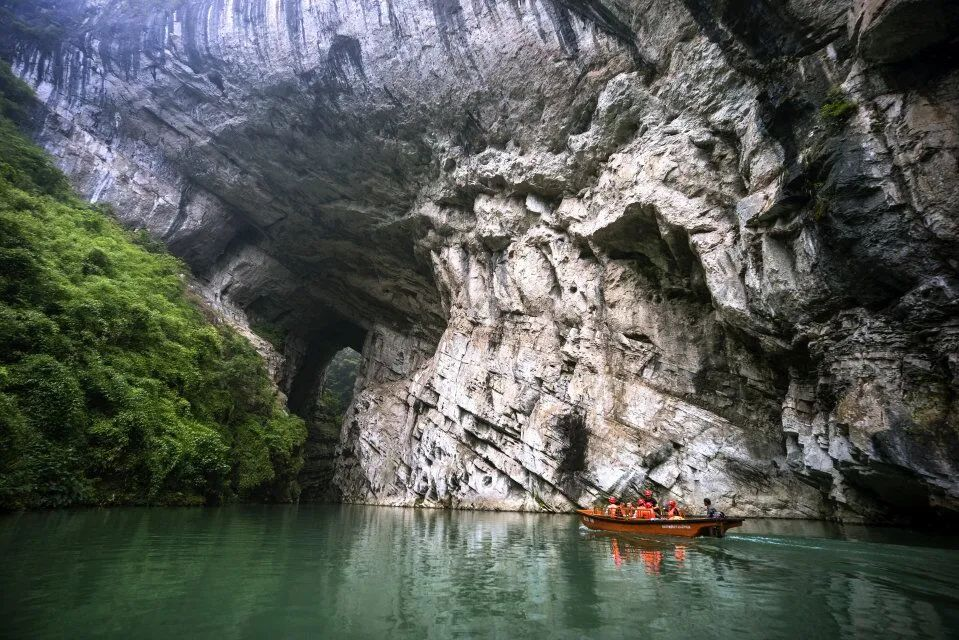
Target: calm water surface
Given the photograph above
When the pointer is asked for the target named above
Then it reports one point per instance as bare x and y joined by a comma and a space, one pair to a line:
376, 572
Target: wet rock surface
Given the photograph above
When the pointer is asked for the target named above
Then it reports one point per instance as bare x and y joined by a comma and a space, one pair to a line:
586, 247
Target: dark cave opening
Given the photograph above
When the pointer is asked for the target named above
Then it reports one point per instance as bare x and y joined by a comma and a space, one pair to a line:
572, 457
321, 406
322, 345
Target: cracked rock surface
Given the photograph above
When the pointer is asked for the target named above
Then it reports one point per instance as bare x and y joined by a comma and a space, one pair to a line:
585, 246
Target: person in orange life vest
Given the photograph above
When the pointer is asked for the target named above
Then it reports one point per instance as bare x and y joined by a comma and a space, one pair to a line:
672, 510
651, 509
643, 511
612, 507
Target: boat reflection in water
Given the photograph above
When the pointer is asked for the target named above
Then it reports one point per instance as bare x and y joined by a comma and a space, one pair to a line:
315, 571
631, 551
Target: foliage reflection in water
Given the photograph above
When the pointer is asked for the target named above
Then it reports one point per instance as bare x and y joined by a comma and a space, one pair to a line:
352, 571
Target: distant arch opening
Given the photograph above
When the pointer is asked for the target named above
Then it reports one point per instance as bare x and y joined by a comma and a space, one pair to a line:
320, 392
340, 378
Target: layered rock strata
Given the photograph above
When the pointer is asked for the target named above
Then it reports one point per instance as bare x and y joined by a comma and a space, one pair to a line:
586, 246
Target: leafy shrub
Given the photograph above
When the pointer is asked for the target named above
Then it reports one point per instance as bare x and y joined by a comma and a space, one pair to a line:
837, 108
273, 334
114, 386
341, 375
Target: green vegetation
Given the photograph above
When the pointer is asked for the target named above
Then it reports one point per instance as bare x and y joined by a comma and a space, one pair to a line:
271, 333
114, 388
820, 209
340, 378
837, 108
820, 202
327, 417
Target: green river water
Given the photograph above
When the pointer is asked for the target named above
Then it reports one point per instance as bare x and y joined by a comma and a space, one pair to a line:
378, 572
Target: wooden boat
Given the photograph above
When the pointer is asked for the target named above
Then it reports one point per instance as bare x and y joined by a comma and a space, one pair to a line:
685, 527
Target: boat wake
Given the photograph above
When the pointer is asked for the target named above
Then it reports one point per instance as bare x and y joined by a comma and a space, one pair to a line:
782, 542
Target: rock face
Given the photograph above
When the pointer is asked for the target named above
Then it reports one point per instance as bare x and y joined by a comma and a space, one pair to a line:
585, 246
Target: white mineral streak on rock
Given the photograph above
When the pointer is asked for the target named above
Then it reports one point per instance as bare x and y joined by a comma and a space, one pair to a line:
592, 246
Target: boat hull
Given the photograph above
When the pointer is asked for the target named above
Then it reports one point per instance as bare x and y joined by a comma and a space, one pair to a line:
686, 527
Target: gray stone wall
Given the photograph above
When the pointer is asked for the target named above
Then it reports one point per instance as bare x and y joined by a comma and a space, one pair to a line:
708, 247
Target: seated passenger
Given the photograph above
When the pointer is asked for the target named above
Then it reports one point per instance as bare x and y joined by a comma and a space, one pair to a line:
673, 512
711, 511
644, 511
612, 508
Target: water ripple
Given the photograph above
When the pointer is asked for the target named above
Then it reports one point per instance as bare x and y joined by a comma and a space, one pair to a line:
365, 572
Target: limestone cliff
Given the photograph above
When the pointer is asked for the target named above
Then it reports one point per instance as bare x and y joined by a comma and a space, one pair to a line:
584, 245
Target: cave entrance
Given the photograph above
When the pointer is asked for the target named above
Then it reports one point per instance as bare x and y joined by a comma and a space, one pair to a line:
320, 392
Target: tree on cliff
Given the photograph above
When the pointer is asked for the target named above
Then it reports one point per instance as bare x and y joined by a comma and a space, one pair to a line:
114, 387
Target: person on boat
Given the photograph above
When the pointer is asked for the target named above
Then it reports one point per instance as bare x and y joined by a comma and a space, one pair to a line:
648, 497
713, 512
672, 511
644, 511
651, 499
612, 508
657, 513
